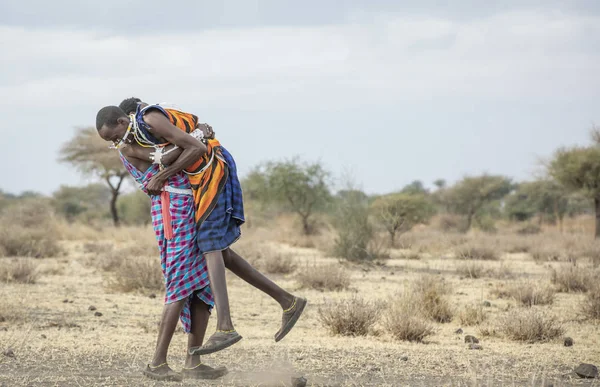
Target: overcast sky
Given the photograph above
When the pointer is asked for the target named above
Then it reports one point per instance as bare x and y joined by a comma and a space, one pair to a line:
390, 91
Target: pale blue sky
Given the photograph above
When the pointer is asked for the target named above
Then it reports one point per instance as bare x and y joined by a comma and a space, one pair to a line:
392, 91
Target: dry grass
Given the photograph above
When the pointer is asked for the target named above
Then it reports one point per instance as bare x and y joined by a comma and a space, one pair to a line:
544, 254
331, 277
526, 294
590, 306
29, 231
278, 263
351, 317
20, 270
530, 325
473, 270
472, 315
138, 273
573, 279
477, 251
432, 296
403, 324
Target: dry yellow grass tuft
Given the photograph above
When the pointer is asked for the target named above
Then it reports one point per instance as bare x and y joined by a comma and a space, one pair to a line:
138, 273
526, 294
403, 324
278, 263
432, 296
530, 325
472, 315
19, 270
330, 277
29, 231
573, 279
351, 317
477, 251
590, 306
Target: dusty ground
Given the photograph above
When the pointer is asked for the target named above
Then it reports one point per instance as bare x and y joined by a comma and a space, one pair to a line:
57, 341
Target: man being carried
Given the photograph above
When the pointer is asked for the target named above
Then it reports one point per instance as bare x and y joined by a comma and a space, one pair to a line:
155, 131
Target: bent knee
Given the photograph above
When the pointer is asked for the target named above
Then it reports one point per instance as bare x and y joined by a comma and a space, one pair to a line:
227, 257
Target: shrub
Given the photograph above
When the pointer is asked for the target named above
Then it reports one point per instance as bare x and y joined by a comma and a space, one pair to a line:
451, 223
472, 315
351, 317
527, 294
529, 229
477, 252
138, 273
29, 230
20, 270
331, 277
544, 254
573, 279
591, 304
431, 293
402, 323
18, 241
470, 270
530, 325
278, 263
354, 240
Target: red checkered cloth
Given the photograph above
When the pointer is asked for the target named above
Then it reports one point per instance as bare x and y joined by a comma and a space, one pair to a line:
183, 265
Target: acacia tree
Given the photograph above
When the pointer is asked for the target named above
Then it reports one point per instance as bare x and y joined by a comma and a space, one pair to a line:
541, 198
471, 194
399, 213
90, 155
299, 187
578, 169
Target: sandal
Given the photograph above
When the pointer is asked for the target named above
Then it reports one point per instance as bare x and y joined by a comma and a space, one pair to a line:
217, 342
202, 371
169, 376
290, 317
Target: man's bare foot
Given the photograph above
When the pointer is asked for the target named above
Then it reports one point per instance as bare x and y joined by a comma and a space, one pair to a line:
163, 373
290, 317
202, 371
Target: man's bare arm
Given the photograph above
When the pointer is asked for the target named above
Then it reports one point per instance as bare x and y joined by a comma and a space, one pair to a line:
192, 149
169, 154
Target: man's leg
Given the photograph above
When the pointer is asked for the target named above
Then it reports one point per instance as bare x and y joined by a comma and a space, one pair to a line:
242, 268
225, 336
168, 323
159, 369
218, 285
293, 307
194, 369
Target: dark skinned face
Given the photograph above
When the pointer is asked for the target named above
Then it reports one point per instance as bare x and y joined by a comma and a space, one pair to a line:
115, 135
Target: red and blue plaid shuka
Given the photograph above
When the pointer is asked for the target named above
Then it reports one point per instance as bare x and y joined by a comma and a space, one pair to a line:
183, 266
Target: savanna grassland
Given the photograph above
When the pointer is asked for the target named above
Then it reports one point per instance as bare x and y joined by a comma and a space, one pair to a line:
80, 306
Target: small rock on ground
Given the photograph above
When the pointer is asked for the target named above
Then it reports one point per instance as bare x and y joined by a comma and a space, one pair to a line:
299, 382
471, 339
9, 353
487, 304
92, 308
152, 295
568, 342
586, 371
459, 331
98, 314
404, 358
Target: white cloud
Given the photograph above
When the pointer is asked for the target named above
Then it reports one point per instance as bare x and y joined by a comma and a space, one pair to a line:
512, 55
54, 79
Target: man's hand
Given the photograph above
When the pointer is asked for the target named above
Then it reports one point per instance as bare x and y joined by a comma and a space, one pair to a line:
207, 130
155, 185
